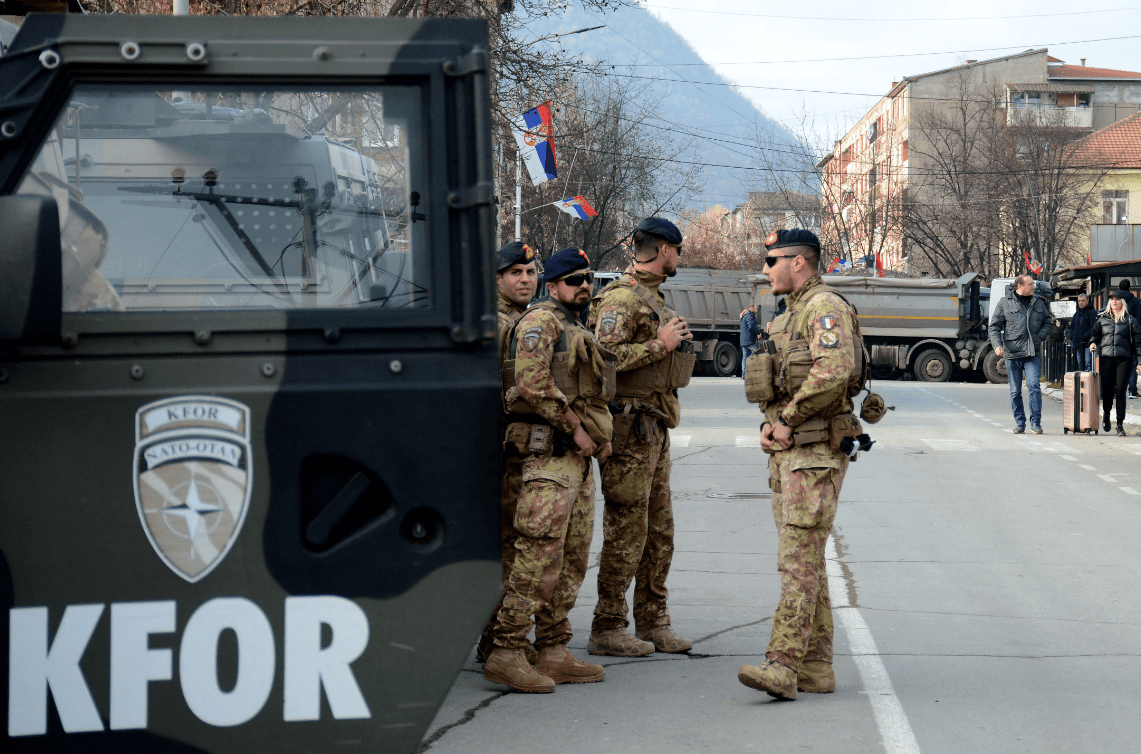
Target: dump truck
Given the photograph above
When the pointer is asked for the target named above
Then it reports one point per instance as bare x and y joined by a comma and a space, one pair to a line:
246, 317
928, 328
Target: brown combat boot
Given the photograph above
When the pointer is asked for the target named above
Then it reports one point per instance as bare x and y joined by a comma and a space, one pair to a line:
562, 667
665, 640
774, 678
816, 677
510, 666
617, 642
486, 646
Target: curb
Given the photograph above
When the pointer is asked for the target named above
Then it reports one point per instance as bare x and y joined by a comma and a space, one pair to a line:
1056, 394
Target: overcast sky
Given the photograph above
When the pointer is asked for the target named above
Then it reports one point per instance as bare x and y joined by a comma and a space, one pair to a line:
750, 44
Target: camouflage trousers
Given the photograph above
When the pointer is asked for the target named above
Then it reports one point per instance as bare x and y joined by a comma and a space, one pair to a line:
806, 487
638, 531
509, 487
553, 524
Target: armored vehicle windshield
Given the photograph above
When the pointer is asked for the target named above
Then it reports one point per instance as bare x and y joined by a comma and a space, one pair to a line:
237, 198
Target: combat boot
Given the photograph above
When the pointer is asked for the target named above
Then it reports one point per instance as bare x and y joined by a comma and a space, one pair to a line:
816, 677
617, 642
774, 678
562, 667
665, 640
510, 667
486, 646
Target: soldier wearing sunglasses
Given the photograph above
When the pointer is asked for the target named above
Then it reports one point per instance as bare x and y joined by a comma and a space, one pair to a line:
557, 382
630, 318
817, 341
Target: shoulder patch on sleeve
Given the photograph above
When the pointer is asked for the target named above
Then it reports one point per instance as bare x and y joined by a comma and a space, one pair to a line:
531, 337
607, 323
829, 339
828, 322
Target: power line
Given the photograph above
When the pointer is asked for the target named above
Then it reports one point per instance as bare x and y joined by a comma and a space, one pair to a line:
890, 19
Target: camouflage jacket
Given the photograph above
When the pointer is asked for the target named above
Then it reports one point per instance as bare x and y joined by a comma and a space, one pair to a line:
829, 326
537, 339
509, 314
626, 325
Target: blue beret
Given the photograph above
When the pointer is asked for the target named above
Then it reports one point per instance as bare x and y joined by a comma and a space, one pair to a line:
564, 263
662, 228
778, 239
515, 252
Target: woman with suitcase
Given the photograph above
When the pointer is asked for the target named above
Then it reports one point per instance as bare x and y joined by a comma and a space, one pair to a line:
1116, 339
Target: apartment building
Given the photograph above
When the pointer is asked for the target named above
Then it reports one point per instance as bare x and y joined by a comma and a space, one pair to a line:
874, 167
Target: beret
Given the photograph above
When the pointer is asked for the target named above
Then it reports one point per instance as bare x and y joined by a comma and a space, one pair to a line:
778, 239
564, 263
662, 228
515, 252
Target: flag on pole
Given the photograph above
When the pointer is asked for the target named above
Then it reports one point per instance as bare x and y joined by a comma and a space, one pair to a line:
1032, 264
879, 265
576, 207
838, 265
534, 135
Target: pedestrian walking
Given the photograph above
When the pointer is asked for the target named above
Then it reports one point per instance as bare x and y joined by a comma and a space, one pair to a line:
631, 318
1018, 325
1081, 329
1117, 342
750, 331
821, 367
557, 383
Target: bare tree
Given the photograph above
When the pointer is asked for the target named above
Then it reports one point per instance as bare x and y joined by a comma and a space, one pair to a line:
709, 241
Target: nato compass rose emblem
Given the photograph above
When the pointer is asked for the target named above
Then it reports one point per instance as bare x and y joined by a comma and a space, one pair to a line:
193, 475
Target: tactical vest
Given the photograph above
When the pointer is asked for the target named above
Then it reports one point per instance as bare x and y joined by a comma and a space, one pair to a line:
793, 360
663, 375
582, 382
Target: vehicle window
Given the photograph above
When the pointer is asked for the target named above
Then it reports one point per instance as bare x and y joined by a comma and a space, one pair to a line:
234, 198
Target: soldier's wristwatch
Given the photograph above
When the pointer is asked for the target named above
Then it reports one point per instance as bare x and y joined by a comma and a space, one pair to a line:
782, 421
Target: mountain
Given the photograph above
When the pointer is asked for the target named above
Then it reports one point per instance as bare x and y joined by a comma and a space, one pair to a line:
635, 43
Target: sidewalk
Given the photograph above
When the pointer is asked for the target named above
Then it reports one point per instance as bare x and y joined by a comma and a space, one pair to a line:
1132, 407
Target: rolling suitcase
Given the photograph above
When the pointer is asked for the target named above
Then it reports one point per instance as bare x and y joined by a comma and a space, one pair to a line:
1080, 401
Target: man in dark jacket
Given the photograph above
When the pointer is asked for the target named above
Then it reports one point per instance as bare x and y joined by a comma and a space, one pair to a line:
1133, 306
750, 330
1080, 328
1018, 325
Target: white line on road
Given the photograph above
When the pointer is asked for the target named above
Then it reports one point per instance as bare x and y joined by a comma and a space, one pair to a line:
1110, 477
748, 441
680, 441
891, 720
1129, 490
1087, 467
1070, 458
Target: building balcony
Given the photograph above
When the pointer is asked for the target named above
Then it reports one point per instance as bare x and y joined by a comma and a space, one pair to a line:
1050, 115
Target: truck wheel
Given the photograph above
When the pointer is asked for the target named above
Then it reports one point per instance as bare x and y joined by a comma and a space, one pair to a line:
726, 360
933, 365
994, 368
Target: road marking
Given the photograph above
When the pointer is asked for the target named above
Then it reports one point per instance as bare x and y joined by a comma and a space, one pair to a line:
748, 441
680, 441
943, 444
894, 727
1069, 458
1110, 477
1130, 490
1086, 466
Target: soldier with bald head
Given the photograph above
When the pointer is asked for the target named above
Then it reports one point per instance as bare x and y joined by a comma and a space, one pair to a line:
816, 371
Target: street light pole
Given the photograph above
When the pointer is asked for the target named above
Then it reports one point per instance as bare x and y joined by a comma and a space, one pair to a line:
1033, 198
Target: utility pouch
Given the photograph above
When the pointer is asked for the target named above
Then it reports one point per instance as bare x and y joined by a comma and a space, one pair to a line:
844, 426
623, 426
681, 368
796, 363
516, 438
759, 378
813, 430
609, 380
541, 440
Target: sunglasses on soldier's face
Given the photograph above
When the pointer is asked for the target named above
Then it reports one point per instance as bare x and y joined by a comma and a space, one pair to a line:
574, 281
772, 259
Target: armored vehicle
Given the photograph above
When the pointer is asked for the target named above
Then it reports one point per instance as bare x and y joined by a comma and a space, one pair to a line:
248, 380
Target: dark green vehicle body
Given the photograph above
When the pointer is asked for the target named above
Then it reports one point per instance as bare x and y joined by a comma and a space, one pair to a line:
248, 486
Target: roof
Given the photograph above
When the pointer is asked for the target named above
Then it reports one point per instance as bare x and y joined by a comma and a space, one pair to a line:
1052, 59
1085, 72
1117, 145
978, 63
1051, 86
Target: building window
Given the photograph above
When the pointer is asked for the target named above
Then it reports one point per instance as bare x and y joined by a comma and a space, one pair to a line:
1114, 207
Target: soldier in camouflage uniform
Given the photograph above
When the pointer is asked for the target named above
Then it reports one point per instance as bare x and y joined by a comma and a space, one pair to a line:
516, 278
557, 384
817, 340
630, 318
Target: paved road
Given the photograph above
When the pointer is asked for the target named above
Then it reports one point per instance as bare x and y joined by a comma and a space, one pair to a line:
985, 585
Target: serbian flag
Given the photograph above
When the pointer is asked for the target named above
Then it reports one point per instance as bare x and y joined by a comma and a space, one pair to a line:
576, 207
1032, 264
838, 265
534, 134
879, 265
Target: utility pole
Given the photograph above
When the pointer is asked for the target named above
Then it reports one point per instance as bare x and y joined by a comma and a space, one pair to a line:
518, 197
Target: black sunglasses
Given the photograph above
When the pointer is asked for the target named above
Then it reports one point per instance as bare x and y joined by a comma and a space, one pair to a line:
575, 281
771, 260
